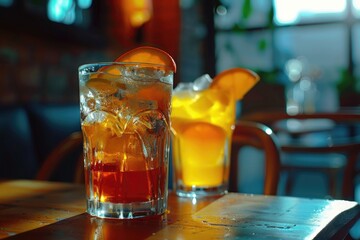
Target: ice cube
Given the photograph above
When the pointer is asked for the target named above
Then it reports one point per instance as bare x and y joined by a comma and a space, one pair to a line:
132, 107
102, 86
139, 73
87, 101
151, 127
202, 82
199, 107
183, 92
105, 122
110, 104
183, 86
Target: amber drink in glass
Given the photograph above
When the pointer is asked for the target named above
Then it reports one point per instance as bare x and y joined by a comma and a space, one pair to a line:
125, 111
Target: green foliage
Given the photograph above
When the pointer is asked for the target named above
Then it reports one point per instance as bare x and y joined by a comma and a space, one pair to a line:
262, 45
268, 76
247, 9
270, 18
347, 81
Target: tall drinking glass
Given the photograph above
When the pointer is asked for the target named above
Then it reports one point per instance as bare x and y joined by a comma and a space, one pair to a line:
202, 126
125, 111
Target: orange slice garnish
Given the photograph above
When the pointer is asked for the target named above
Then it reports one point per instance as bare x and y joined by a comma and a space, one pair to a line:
238, 81
101, 85
147, 54
113, 70
104, 86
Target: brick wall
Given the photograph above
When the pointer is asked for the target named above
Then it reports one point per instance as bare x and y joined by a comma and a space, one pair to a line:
36, 69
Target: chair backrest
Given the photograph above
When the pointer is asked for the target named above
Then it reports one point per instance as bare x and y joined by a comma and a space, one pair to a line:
56, 157
17, 156
245, 134
50, 124
342, 136
260, 136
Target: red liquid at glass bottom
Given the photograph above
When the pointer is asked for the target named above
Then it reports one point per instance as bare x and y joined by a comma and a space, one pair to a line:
109, 184
112, 193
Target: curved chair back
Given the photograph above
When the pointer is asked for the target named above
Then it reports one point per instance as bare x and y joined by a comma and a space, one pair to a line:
334, 136
260, 136
61, 152
245, 134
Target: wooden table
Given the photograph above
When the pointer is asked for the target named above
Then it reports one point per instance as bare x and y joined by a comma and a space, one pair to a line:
45, 210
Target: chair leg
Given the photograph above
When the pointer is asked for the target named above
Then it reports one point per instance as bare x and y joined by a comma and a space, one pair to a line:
234, 168
289, 182
349, 176
332, 174
79, 170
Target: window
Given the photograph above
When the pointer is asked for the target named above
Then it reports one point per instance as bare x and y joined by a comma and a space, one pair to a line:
231, 14
231, 18
230, 50
356, 8
356, 51
295, 11
265, 35
325, 48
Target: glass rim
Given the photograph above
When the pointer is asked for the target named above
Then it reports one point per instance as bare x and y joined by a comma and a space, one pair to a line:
108, 63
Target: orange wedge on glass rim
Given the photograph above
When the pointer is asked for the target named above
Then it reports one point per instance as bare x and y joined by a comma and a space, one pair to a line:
152, 55
143, 54
148, 54
238, 81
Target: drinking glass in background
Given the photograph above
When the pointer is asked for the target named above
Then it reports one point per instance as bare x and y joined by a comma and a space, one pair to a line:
202, 123
125, 119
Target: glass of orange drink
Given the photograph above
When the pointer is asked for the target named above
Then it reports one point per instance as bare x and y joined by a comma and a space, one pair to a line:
125, 120
202, 122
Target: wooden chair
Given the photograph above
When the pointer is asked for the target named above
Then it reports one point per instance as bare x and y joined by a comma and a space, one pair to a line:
330, 147
57, 155
256, 135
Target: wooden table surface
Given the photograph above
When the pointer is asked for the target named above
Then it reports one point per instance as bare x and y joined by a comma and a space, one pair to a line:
45, 210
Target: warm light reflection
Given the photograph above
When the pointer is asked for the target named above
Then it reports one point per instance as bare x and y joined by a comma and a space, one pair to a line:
138, 11
289, 11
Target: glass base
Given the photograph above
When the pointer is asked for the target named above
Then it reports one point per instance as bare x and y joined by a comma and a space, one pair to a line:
126, 210
199, 192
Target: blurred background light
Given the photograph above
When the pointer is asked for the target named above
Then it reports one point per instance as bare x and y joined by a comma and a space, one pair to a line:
84, 4
289, 11
62, 11
6, 3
